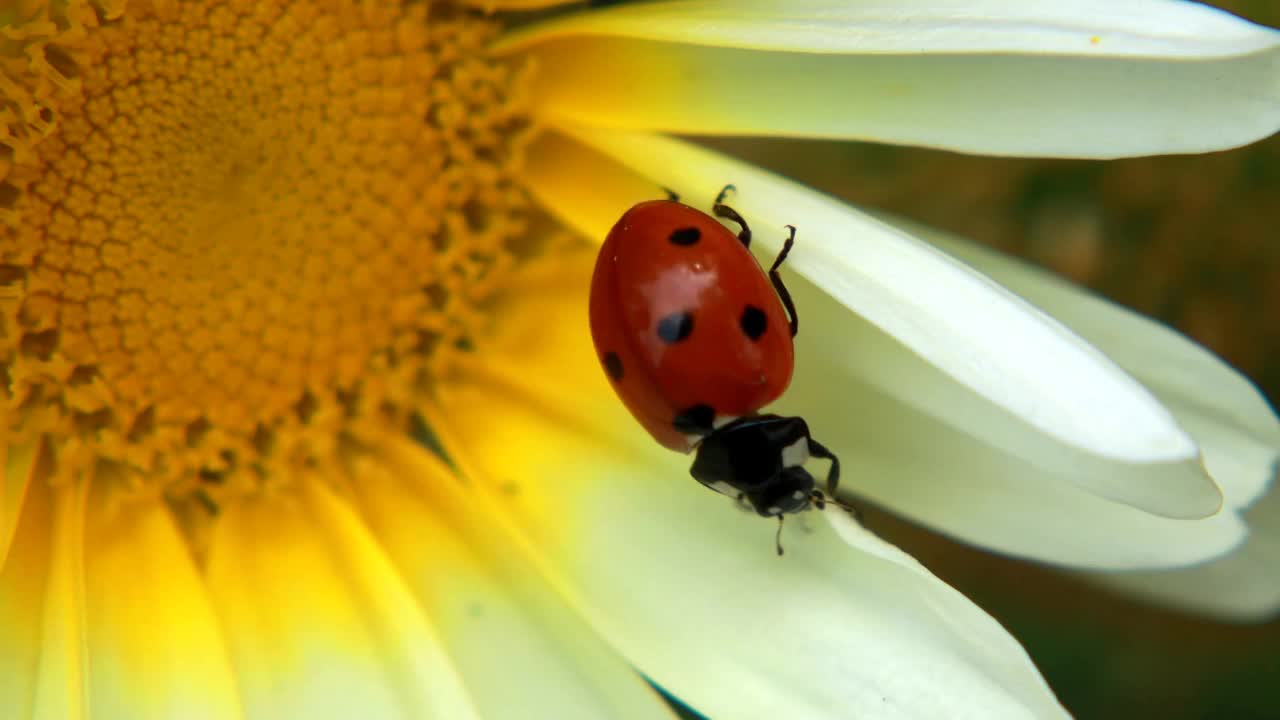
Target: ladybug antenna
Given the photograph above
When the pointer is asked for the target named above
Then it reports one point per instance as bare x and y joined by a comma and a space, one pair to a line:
777, 539
671, 194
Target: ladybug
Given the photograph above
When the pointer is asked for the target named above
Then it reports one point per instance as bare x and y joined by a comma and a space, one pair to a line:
696, 338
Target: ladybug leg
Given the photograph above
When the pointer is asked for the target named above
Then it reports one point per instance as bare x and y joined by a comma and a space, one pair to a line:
819, 450
820, 500
775, 277
671, 194
728, 213
721, 210
777, 539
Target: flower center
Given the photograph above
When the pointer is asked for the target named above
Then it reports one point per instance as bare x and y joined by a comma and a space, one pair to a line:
235, 235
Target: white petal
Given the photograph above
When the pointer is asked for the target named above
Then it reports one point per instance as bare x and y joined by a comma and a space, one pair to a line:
930, 469
1098, 28
1241, 463
1092, 78
1243, 586
1229, 419
1237, 431
883, 637
689, 588
1002, 372
520, 649
318, 624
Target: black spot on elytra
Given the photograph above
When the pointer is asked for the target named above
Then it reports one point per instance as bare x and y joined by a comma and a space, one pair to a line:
685, 236
753, 322
613, 365
695, 420
675, 327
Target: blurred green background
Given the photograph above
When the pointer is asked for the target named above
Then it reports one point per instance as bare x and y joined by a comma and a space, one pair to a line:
1191, 240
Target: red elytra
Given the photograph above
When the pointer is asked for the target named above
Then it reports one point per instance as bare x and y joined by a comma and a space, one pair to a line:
688, 326
696, 338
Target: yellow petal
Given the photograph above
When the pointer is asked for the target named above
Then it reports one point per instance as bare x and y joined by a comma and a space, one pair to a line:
17, 462
318, 623
42, 643
61, 689
156, 650
508, 5
521, 649
23, 587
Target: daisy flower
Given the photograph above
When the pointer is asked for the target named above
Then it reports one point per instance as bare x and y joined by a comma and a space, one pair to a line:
300, 418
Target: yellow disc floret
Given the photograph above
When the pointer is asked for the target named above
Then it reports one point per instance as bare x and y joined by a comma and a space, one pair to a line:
237, 234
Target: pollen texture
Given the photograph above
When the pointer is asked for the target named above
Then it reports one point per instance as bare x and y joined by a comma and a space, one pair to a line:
236, 235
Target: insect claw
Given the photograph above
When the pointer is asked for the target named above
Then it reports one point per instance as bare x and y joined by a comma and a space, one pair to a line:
724, 192
777, 539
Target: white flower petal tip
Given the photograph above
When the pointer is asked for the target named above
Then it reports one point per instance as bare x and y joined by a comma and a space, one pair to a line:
1242, 586
1228, 418
860, 538
1230, 421
1093, 78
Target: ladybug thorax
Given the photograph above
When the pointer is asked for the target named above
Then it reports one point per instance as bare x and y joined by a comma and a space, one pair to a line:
759, 460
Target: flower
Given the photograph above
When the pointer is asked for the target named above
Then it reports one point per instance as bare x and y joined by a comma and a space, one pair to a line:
301, 419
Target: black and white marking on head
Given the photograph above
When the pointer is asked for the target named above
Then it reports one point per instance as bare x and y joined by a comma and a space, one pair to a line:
753, 322
724, 488
675, 327
612, 365
685, 236
695, 420
796, 454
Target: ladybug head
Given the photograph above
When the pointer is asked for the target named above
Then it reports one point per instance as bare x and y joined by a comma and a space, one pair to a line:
760, 459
